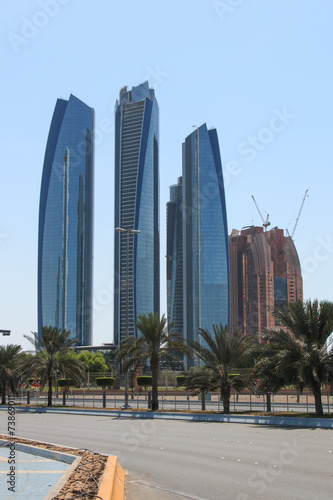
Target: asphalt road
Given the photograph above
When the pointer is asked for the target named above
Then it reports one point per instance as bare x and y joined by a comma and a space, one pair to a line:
193, 460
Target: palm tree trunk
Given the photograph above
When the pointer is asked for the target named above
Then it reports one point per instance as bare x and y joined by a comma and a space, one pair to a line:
318, 402
203, 400
3, 394
154, 375
49, 394
4, 386
225, 394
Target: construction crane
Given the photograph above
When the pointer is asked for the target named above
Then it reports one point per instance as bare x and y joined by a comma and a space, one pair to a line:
299, 213
264, 223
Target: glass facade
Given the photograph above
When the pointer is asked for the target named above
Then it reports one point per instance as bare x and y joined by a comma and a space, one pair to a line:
175, 258
205, 235
65, 239
136, 207
280, 292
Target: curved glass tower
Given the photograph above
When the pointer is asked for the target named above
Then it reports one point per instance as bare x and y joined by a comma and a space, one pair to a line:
205, 235
65, 245
175, 258
136, 207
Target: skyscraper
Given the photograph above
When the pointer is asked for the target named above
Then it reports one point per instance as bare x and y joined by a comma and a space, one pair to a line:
136, 207
175, 258
205, 235
265, 272
65, 238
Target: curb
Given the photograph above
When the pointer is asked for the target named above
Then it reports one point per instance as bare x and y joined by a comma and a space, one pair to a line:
112, 486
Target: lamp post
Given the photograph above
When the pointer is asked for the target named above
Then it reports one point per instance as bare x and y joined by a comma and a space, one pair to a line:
128, 232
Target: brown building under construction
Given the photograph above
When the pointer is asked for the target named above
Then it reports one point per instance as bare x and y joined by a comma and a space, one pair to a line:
264, 272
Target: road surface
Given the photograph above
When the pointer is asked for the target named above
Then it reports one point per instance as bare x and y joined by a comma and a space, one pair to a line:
191, 460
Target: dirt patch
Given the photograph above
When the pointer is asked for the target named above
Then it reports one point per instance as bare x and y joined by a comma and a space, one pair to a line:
83, 483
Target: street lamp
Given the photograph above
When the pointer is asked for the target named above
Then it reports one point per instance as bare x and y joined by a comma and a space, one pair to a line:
128, 232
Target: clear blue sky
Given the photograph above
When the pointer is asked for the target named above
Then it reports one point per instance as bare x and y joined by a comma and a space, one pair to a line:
259, 71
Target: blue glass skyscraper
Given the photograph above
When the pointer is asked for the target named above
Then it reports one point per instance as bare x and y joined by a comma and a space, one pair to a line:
174, 257
136, 207
205, 235
65, 238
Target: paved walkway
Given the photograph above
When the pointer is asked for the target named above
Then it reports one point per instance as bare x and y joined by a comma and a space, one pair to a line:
32, 476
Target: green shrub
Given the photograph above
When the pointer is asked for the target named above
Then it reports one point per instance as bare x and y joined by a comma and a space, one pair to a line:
64, 382
180, 380
144, 380
105, 381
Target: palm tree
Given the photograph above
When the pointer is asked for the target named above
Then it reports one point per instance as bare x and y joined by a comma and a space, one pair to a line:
8, 360
200, 380
222, 352
154, 343
53, 356
297, 353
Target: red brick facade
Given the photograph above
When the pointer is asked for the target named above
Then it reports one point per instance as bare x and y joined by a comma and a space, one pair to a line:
264, 272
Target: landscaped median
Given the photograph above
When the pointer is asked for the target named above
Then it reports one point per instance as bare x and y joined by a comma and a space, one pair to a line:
91, 474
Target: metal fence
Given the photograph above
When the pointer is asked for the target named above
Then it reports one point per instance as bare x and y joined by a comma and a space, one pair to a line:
175, 401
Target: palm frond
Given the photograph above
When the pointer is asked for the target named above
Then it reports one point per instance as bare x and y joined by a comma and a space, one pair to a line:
297, 353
